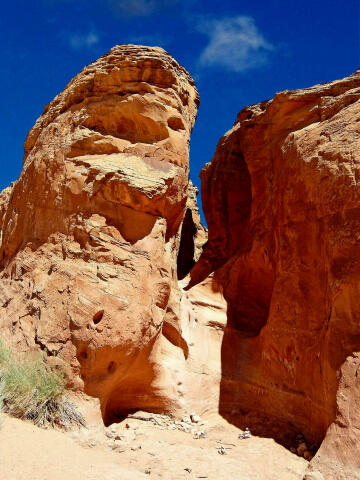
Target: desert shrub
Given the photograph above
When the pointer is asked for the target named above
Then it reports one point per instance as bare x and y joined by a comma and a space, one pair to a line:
31, 389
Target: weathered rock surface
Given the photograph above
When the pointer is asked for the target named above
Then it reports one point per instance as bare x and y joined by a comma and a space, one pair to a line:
102, 263
90, 232
282, 201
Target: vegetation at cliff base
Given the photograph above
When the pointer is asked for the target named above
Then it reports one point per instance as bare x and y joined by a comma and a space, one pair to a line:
31, 389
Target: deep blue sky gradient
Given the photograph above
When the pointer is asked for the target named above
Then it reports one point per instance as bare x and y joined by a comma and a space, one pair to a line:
239, 53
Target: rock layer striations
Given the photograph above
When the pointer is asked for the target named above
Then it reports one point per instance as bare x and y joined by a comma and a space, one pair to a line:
91, 229
105, 267
282, 202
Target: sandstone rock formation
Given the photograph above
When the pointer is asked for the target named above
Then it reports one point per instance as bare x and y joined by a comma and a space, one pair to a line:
104, 264
282, 202
90, 232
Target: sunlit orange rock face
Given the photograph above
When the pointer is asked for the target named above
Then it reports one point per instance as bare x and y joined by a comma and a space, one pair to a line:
102, 264
282, 202
91, 229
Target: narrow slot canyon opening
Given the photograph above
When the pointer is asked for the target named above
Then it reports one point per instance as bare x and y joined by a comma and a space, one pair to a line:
185, 259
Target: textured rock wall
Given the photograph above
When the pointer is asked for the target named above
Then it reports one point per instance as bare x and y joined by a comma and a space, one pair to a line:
90, 232
282, 201
102, 264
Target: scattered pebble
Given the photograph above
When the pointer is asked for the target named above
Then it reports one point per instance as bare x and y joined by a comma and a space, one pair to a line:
245, 434
117, 448
222, 450
138, 447
302, 449
187, 469
195, 418
165, 422
186, 419
308, 455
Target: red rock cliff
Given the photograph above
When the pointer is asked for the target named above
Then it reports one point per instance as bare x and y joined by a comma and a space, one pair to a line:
98, 234
282, 201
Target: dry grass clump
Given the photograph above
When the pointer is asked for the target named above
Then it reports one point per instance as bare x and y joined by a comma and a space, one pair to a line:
30, 389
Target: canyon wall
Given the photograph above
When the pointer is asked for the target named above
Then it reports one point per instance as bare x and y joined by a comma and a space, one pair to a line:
282, 202
91, 231
106, 268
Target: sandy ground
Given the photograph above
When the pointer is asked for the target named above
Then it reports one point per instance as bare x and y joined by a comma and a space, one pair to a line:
140, 450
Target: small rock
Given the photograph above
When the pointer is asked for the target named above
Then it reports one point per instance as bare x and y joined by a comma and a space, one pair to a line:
138, 447
187, 469
147, 471
195, 418
308, 455
314, 476
117, 448
245, 434
186, 419
184, 428
301, 448
221, 450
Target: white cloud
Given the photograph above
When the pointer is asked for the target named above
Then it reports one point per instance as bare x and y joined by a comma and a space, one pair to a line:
79, 41
234, 43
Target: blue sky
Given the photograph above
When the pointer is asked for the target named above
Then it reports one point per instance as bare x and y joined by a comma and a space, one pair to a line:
239, 52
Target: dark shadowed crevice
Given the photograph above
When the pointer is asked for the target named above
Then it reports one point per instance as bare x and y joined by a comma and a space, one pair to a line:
185, 259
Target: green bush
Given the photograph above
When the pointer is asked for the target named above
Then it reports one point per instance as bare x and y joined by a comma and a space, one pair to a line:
31, 389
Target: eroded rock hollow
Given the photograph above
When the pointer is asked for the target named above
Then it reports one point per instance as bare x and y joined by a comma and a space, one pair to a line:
282, 202
104, 264
90, 232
